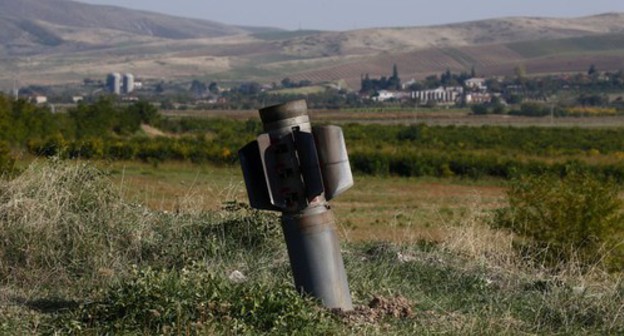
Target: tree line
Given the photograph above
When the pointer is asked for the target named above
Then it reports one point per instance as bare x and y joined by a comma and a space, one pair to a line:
105, 130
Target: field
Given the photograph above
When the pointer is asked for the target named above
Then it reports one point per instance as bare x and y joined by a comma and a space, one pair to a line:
433, 117
376, 209
164, 255
138, 224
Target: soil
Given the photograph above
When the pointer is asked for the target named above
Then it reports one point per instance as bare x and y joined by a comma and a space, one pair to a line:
377, 310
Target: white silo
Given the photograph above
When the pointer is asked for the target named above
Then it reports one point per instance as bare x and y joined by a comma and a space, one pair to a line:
128, 83
113, 83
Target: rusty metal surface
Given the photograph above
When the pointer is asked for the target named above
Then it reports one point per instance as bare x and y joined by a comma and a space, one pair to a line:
314, 220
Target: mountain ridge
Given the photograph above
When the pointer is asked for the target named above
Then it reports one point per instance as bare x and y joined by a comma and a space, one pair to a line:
142, 23
56, 41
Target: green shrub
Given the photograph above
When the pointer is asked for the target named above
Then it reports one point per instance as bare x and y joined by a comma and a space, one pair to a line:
198, 301
572, 218
6, 161
479, 109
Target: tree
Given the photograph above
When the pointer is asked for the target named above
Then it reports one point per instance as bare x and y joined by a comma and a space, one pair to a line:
446, 77
214, 88
520, 72
287, 83
95, 120
394, 82
479, 109
592, 100
146, 112
250, 88
432, 82
366, 85
198, 88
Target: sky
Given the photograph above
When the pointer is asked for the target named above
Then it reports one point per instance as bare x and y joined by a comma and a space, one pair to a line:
357, 14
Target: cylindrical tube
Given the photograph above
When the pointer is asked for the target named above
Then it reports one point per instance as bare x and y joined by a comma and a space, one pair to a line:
315, 256
309, 230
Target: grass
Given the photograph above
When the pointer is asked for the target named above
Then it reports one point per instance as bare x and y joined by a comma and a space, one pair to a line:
379, 208
411, 116
532, 49
300, 91
146, 271
170, 185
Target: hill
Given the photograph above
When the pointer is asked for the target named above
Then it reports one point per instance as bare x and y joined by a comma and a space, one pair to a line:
59, 41
26, 25
493, 47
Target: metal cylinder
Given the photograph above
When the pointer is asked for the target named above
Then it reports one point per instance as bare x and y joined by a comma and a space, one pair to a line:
315, 257
280, 119
309, 230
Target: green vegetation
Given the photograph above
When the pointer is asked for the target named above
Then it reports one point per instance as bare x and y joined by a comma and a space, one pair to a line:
81, 254
226, 272
475, 152
392, 82
570, 45
300, 90
6, 161
576, 218
106, 131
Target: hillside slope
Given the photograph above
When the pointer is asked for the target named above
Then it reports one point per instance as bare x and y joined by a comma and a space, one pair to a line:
30, 26
60, 41
493, 31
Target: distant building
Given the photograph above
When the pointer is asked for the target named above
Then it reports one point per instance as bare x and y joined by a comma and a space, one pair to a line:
128, 83
478, 98
130, 99
113, 83
15, 91
476, 84
384, 95
441, 95
39, 99
77, 99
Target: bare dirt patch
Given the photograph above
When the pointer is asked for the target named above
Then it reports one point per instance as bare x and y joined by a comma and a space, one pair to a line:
378, 309
153, 132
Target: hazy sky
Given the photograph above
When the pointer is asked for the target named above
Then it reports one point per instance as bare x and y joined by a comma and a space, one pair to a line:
352, 14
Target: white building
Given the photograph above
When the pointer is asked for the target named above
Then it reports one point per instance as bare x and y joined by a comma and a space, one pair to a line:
39, 99
441, 95
384, 95
128, 83
113, 83
476, 84
478, 98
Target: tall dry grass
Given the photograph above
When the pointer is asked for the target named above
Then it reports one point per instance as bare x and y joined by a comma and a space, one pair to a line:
63, 222
67, 225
